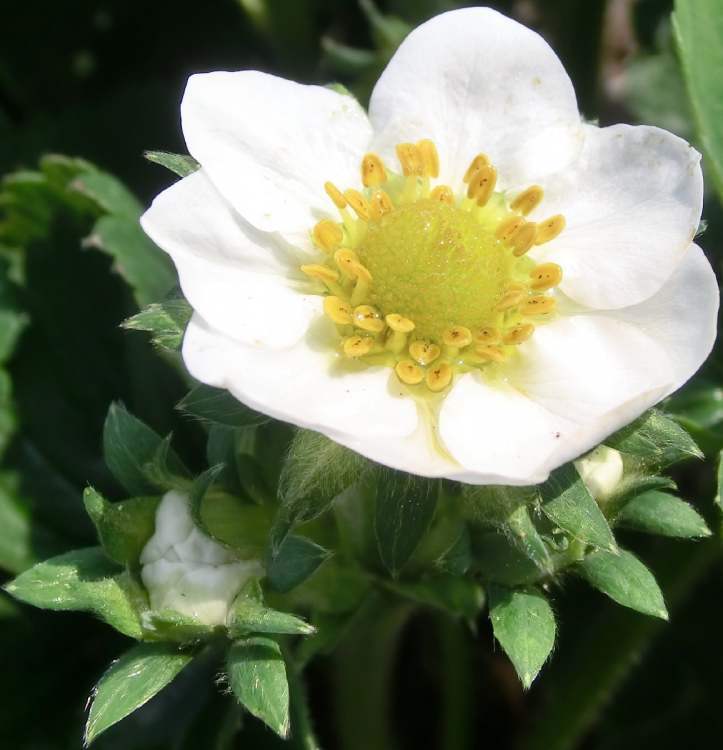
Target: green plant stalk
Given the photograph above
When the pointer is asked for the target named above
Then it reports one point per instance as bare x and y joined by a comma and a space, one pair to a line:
363, 673
457, 680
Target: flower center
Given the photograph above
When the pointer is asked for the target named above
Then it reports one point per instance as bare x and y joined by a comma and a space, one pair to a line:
430, 282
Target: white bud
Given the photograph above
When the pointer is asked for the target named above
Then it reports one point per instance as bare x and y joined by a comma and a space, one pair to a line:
601, 470
185, 570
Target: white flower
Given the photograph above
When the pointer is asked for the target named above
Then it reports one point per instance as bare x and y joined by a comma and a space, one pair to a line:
601, 470
485, 318
187, 571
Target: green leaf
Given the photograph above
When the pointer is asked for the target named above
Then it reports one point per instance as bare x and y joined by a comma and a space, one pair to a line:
456, 595
162, 470
257, 676
498, 559
169, 625
180, 164
296, 559
166, 321
12, 324
718, 499
625, 580
239, 525
655, 438
248, 615
219, 406
657, 512
124, 527
84, 580
199, 488
132, 681
567, 502
698, 27
524, 624
404, 509
128, 446
107, 192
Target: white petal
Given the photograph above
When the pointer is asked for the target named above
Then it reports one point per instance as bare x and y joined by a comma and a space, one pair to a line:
241, 280
269, 144
682, 316
474, 80
632, 204
305, 385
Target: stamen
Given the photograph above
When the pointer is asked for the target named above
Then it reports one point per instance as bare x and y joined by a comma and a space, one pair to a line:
430, 157
443, 194
508, 228
457, 336
347, 260
424, 352
410, 158
373, 172
358, 202
363, 282
490, 353
379, 204
523, 239
399, 328
528, 200
478, 162
368, 318
511, 298
539, 304
545, 276
439, 377
488, 335
358, 346
327, 235
482, 184
549, 229
335, 194
338, 310
408, 372
519, 333
326, 275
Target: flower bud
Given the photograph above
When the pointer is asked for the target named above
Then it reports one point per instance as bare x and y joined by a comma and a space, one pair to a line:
601, 470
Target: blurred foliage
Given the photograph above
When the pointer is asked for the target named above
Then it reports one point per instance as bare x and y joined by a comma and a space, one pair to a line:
103, 79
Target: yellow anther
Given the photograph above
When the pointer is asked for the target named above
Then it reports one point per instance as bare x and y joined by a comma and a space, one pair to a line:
408, 372
479, 161
424, 352
511, 298
347, 260
338, 310
321, 273
358, 202
549, 229
430, 157
490, 353
379, 204
507, 229
368, 318
439, 377
482, 184
335, 194
358, 346
361, 272
373, 172
523, 239
327, 235
399, 323
457, 336
487, 335
443, 194
545, 276
410, 158
538, 304
528, 200
363, 281
519, 333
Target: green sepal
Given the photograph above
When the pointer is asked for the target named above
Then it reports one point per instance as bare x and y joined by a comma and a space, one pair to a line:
180, 164
403, 511
241, 526
458, 596
524, 624
248, 615
165, 321
169, 625
257, 677
128, 446
625, 580
219, 406
567, 502
294, 561
497, 559
458, 558
655, 512
83, 580
163, 469
123, 528
131, 681
197, 493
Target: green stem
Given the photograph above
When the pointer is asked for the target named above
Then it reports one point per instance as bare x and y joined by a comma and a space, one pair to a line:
363, 674
303, 736
457, 685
